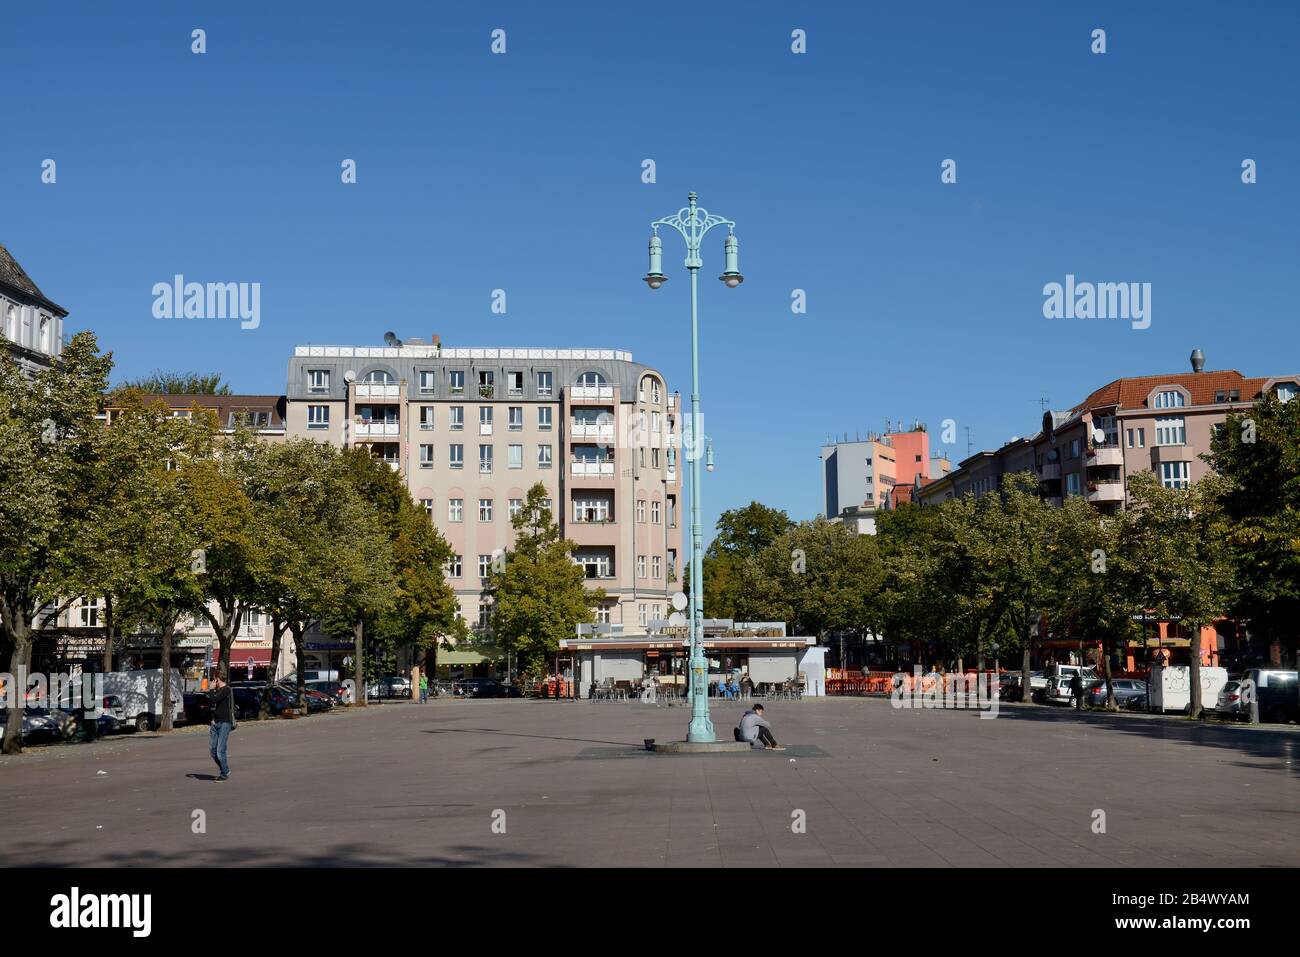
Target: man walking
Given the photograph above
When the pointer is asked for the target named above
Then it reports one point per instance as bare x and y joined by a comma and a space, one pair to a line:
223, 722
424, 687
1076, 691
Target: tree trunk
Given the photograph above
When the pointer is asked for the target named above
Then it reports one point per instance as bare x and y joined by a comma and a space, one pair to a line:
107, 660
1194, 672
1110, 687
277, 633
166, 722
1026, 685
358, 672
19, 662
300, 698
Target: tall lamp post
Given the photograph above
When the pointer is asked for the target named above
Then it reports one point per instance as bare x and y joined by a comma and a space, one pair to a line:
693, 223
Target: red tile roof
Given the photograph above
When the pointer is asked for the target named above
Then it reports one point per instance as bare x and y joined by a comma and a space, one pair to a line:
1132, 393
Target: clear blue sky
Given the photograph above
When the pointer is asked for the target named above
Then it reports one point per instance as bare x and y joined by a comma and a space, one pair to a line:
522, 172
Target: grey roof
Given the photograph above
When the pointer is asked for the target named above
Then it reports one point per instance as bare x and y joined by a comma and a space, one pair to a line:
405, 362
16, 278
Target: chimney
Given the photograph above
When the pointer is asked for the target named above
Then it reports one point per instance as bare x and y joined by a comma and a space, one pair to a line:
1198, 360
436, 340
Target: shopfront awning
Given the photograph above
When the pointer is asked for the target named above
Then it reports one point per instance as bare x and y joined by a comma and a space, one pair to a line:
477, 655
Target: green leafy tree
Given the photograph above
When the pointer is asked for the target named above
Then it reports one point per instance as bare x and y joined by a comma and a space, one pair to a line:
177, 383
539, 593
48, 434
742, 534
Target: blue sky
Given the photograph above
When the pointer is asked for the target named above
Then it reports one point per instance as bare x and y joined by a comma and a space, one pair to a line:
523, 172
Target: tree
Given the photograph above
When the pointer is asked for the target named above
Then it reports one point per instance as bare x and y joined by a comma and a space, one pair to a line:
742, 534
1258, 453
1177, 543
327, 552
539, 592
177, 383
47, 436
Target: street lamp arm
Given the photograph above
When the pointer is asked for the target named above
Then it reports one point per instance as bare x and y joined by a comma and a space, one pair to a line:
693, 223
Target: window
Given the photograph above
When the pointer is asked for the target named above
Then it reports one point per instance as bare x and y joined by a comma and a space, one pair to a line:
457, 421
1171, 431
487, 384
1286, 391
594, 565
456, 381
640, 566
427, 505
426, 417
545, 383
516, 418
654, 458
516, 456
89, 613
1075, 447
484, 569
590, 380
318, 380
591, 509
484, 616
485, 510
544, 418
656, 567
426, 456
1072, 485
640, 510
485, 458
378, 377
543, 456
516, 506
456, 458
427, 379
641, 614
602, 615
672, 512
515, 383
656, 512
1174, 474
1227, 395
1109, 429
546, 505
1170, 400
455, 566
654, 391
1137, 438
485, 420
656, 423
318, 416
455, 510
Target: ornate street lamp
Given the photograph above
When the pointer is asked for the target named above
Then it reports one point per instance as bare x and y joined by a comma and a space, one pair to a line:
694, 223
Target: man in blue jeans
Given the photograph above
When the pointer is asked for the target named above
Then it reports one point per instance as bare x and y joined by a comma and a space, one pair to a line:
223, 722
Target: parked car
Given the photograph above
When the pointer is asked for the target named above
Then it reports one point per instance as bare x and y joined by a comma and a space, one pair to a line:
1059, 692
248, 700
1011, 690
1278, 693
394, 686
198, 708
481, 688
1124, 689
1229, 704
40, 725
336, 691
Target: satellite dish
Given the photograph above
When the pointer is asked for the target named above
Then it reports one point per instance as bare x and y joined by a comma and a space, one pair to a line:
1098, 435
677, 620
679, 600
349, 376
392, 340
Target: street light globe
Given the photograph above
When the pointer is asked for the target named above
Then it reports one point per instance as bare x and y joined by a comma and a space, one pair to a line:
732, 279
655, 280
709, 467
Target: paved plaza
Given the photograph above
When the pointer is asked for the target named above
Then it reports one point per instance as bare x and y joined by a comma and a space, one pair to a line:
571, 784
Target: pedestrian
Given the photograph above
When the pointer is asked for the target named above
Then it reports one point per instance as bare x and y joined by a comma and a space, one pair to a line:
1076, 690
754, 729
424, 687
223, 722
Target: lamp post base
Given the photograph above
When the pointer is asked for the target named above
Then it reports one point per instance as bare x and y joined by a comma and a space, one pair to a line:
701, 730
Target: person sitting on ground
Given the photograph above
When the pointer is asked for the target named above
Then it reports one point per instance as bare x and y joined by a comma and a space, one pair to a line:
755, 730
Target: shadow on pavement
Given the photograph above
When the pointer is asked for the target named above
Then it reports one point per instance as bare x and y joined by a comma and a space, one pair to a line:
1280, 748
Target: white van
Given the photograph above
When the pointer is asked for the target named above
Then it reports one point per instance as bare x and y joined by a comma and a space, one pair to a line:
141, 696
1171, 688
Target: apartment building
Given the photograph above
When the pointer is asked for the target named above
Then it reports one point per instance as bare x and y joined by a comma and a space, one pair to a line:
863, 475
32, 325
1155, 423
470, 430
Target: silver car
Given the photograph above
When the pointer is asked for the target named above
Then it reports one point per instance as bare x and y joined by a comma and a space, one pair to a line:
1229, 704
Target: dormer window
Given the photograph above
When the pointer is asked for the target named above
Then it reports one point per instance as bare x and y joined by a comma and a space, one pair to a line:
1286, 391
379, 377
318, 380
1170, 399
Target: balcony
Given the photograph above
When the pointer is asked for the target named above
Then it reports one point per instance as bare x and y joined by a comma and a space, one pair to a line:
591, 393
1050, 471
1107, 455
370, 390
1105, 492
592, 467
1171, 453
580, 429
372, 429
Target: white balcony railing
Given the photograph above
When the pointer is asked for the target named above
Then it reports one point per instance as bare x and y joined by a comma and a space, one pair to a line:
592, 392
378, 428
590, 467
591, 430
367, 390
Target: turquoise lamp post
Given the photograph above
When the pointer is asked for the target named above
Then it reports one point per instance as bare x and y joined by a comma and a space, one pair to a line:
693, 223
